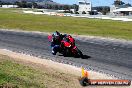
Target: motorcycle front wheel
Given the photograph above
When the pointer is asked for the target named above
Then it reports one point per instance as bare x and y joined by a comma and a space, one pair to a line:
66, 53
78, 53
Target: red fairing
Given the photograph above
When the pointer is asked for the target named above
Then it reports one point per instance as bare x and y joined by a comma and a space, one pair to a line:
67, 44
74, 47
72, 40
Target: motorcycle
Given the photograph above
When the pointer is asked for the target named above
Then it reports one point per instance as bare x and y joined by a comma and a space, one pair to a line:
69, 49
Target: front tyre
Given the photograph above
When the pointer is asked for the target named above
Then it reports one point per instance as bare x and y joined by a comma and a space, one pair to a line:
79, 53
66, 52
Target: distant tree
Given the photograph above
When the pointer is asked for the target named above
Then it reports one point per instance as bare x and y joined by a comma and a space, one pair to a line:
76, 12
53, 7
34, 5
61, 7
5, 3
128, 4
118, 3
102, 9
105, 10
83, 12
75, 7
50, 6
40, 7
56, 7
24, 4
0, 1
67, 11
18, 3
29, 5
71, 12
66, 7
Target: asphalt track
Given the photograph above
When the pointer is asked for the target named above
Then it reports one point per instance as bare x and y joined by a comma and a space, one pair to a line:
112, 58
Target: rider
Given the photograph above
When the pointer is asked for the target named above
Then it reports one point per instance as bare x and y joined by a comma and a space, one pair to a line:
56, 41
70, 39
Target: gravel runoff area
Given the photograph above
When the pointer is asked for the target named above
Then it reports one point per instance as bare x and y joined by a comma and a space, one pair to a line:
48, 63
68, 69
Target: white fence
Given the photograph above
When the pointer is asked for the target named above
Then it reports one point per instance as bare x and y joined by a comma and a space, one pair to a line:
9, 6
107, 17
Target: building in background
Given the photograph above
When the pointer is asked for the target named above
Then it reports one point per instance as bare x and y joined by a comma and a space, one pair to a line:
85, 6
9, 6
119, 8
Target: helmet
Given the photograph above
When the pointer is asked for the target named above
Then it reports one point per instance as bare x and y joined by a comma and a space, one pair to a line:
71, 39
69, 36
66, 39
56, 35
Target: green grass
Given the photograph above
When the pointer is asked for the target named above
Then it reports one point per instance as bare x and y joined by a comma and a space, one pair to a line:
20, 75
15, 19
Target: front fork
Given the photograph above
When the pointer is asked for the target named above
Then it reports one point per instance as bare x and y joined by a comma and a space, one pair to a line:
74, 50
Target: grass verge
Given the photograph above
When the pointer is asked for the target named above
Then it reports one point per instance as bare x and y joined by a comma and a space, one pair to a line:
15, 74
15, 19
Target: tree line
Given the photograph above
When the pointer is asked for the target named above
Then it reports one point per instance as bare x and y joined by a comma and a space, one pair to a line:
25, 4
117, 3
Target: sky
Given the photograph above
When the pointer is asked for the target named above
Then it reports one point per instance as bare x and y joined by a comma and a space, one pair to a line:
94, 2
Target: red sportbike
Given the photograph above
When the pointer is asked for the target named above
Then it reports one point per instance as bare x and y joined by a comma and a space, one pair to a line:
69, 49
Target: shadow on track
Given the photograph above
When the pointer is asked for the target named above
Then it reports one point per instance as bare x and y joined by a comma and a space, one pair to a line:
86, 57
83, 57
